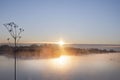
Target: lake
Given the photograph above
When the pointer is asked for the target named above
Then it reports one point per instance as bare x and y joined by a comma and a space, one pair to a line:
84, 67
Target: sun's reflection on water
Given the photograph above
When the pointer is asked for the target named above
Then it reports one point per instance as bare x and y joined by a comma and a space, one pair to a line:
61, 62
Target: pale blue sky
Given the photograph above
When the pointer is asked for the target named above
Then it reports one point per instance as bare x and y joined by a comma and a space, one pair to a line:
75, 21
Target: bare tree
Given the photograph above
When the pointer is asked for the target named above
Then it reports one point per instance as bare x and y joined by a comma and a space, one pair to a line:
15, 33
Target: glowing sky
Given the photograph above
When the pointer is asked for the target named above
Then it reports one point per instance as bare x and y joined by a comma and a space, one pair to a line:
75, 21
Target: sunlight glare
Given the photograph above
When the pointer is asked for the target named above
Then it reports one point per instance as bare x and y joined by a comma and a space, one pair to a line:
62, 61
61, 43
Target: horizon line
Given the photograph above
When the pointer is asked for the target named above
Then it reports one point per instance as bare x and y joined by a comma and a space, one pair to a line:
65, 43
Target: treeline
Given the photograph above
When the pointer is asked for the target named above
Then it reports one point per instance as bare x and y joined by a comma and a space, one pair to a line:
32, 51
47, 51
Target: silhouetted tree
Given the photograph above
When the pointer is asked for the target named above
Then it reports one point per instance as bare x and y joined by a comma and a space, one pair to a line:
15, 33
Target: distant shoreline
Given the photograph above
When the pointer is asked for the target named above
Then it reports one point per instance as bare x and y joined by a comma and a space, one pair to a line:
49, 51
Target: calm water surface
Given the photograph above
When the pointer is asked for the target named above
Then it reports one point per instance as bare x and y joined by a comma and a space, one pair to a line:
86, 67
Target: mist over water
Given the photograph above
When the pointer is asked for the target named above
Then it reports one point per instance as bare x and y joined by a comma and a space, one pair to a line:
84, 67
115, 47
43, 36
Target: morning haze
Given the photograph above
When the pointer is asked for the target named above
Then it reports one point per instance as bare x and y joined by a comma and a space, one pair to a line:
59, 39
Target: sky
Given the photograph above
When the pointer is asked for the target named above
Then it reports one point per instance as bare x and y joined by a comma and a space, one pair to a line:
74, 21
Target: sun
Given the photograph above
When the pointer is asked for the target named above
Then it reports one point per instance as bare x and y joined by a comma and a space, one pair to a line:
61, 43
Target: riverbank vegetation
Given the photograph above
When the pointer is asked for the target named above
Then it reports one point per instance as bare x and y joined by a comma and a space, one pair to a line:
48, 51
